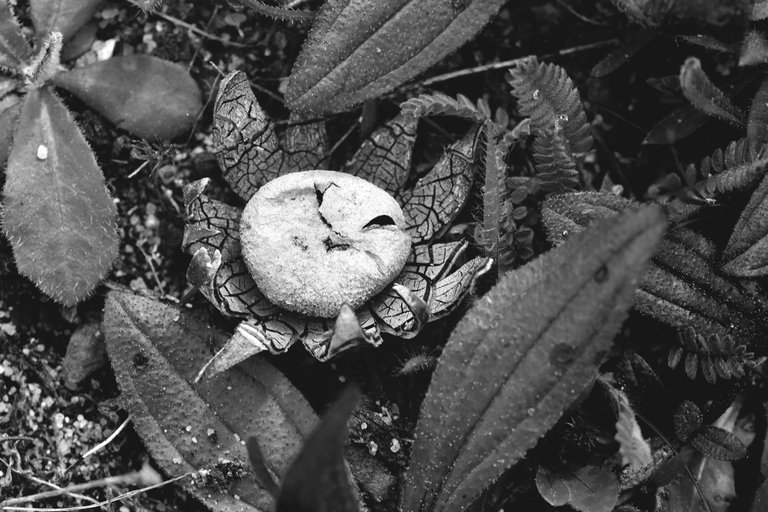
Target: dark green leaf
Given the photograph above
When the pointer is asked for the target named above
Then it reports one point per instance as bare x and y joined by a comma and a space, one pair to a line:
687, 420
719, 444
65, 16
676, 126
588, 489
747, 252
358, 50
85, 354
156, 350
150, 97
57, 214
318, 479
14, 50
521, 356
9, 118
704, 95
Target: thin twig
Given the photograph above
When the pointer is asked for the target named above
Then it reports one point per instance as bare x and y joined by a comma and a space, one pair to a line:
583, 18
508, 63
54, 486
198, 31
26, 499
16, 438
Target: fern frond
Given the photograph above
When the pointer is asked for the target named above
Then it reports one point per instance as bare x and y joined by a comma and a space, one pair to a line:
717, 356
546, 94
554, 161
757, 122
736, 167
439, 104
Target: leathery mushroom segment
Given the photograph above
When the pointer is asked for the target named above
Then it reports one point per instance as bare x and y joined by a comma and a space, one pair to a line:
316, 240
372, 262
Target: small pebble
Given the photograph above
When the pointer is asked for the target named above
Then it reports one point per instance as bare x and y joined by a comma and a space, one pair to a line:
42, 152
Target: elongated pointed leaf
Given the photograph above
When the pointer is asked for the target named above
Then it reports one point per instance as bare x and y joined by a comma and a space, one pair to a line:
156, 350
747, 252
318, 479
65, 16
521, 356
150, 97
358, 49
57, 213
13, 48
757, 123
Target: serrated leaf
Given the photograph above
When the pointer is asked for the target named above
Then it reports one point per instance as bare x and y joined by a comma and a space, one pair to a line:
757, 123
358, 50
520, 357
747, 252
57, 213
682, 286
318, 479
65, 16
14, 50
719, 444
704, 95
150, 97
588, 489
156, 350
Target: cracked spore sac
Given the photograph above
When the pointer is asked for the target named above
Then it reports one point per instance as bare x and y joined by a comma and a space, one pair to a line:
305, 244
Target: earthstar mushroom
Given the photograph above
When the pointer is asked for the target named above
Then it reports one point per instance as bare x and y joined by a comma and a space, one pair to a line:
323, 257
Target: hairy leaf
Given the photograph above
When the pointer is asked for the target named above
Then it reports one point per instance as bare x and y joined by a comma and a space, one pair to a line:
57, 213
65, 16
150, 97
520, 357
14, 50
704, 95
754, 51
156, 350
318, 480
358, 50
147, 5
747, 252
588, 489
